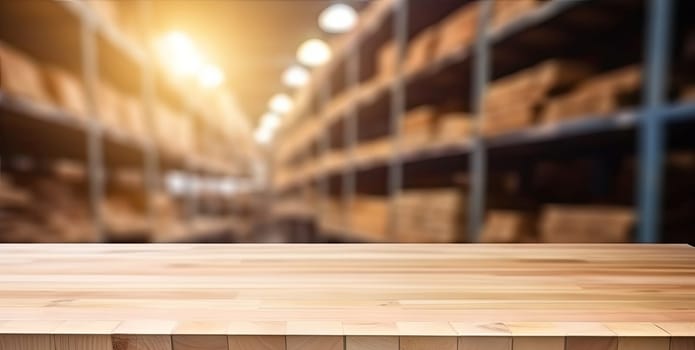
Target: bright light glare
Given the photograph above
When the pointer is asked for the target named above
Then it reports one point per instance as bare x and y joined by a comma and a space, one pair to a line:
177, 183
270, 121
263, 135
313, 53
180, 54
280, 104
210, 76
338, 18
295, 76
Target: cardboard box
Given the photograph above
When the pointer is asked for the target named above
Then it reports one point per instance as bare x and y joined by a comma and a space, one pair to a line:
66, 91
586, 224
20, 76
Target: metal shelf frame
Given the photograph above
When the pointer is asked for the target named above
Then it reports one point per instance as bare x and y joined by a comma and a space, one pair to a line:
649, 120
92, 29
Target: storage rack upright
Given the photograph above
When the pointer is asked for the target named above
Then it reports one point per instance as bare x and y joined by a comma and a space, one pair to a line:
649, 120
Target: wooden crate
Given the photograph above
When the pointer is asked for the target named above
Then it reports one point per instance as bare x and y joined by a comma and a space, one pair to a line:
66, 91
20, 75
421, 50
586, 224
597, 96
457, 30
508, 226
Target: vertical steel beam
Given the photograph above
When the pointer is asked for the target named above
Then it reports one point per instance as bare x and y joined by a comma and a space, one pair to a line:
398, 105
651, 128
324, 148
478, 157
95, 156
151, 156
352, 78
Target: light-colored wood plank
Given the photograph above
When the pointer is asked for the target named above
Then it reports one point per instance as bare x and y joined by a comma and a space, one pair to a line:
371, 343
308, 342
678, 329
644, 343
636, 329
256, 342
199, 342
381, 290
682, 343
591, 343
428, 343
26, 342
539, 343
83, 342
484, 343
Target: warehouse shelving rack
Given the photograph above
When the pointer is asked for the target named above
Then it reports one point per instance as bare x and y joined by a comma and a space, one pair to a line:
52, 132
648, 120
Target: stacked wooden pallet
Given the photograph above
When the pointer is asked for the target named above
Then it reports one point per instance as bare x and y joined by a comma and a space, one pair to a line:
351, 297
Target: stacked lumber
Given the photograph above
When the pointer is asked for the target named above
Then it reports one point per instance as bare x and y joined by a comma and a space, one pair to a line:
457, 30
333, 161
688, 93
506, 11
430, 216
453, 126
508, 226
20, 76
48, 210
122, 221
418, 126
66, 91
596, 96
369, 217
173, 131
387, 60
421, 51
513, 102
168, 224
373, 150
586, 224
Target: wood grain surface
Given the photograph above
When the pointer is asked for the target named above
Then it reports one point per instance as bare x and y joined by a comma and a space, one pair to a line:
639, 294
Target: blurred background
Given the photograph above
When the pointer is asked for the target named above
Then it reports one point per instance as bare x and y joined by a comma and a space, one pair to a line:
347, 121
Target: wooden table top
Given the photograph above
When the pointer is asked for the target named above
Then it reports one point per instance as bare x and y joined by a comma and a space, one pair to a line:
381, 289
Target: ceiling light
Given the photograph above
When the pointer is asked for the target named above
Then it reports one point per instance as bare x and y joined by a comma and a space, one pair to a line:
280, 104
180, 55
263, 135
270, 120
313, 53
295, 76
338, 18
210, 76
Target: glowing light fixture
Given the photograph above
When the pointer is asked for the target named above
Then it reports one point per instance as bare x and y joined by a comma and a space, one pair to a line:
280, 104
263, 135
338, 18
180, 54
270, 120
210, 76
295, 76
313, 53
